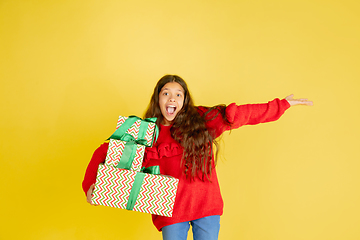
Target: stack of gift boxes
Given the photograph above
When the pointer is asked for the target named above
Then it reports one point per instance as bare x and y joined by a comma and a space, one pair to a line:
121, 181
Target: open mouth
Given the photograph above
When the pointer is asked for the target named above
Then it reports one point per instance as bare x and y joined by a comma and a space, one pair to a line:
170, 109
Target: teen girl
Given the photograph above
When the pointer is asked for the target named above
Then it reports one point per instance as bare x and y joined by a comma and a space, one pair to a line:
184, 150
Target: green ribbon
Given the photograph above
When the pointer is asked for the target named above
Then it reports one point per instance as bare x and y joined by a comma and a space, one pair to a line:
151, 170
128, 155
120, 133
139, 178
135, 190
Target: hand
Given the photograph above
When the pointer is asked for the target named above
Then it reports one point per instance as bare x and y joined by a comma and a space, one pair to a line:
89, 194
301, 101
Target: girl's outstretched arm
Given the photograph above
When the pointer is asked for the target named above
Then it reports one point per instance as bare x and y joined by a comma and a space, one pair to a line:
251, 114
300, 101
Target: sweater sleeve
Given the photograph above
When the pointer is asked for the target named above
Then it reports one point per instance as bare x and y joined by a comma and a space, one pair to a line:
248, 114
91, 170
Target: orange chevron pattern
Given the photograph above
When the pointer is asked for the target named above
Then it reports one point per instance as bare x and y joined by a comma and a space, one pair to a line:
134, 129
121, 120
150, 133
115, 150
138, 160
113, 186
157, 195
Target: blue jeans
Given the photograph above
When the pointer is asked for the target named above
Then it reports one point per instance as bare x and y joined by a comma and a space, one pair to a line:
206, 228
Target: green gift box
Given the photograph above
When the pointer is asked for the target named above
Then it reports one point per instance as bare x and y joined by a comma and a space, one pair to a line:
127, 155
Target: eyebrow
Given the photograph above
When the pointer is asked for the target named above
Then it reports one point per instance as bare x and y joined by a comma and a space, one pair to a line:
169, 89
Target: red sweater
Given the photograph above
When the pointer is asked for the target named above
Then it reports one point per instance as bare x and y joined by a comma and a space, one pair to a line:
196, 198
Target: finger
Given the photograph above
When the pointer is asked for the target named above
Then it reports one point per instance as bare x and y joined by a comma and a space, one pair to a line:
91, 188
89, 201
89, 193
308, 103
302, 100
305, 101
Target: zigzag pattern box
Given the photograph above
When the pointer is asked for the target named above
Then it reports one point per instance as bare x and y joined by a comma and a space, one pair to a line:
115, 153
114, 187
135, 129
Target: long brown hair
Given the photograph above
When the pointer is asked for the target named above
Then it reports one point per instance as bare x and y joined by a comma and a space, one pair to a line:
189, 130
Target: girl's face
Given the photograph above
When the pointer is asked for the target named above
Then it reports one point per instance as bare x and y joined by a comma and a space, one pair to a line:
171, 100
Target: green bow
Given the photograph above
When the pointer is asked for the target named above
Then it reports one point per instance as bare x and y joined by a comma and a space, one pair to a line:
121, 131
151, 170
128, 155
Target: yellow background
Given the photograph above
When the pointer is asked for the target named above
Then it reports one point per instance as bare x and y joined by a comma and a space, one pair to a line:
69, 68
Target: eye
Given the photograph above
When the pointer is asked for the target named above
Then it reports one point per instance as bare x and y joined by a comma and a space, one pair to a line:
165, 93
179, 95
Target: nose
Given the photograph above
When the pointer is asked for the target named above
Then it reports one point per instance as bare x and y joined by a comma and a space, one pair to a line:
171, 98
